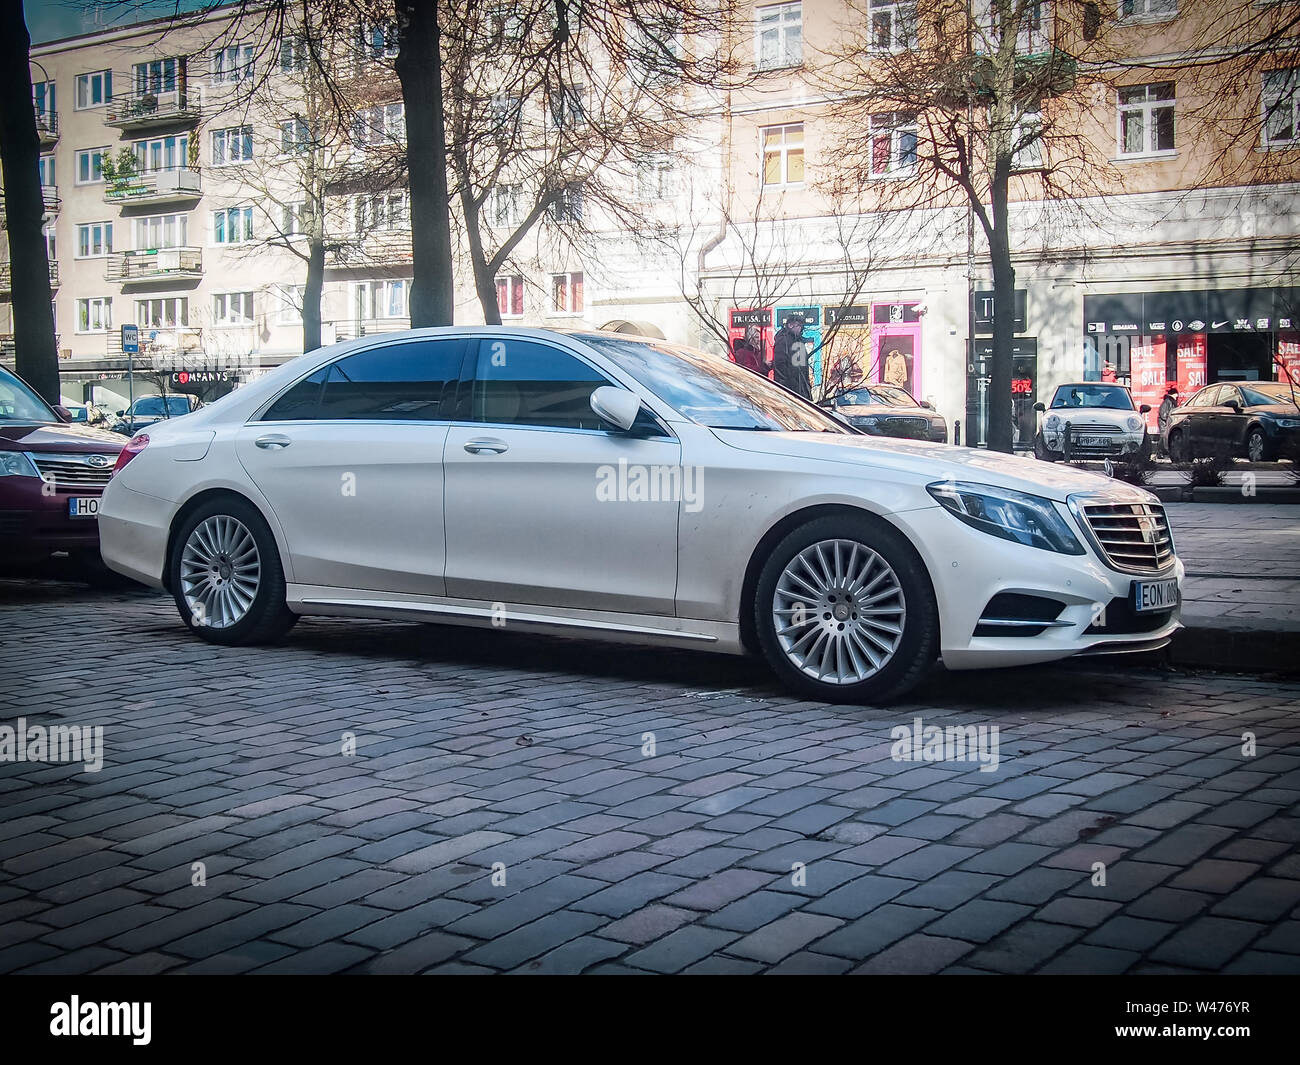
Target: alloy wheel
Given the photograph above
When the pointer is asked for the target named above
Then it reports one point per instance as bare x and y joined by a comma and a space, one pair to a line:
221, 571
839, 611
1255, 446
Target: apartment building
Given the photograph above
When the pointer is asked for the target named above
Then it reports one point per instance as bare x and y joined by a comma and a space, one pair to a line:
1150, 268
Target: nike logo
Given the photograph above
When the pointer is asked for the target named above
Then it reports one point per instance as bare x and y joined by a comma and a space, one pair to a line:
1217, 325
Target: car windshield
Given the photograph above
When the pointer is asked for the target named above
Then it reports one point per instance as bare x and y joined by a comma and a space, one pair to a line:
18, 403
79, 414
710, 390
1111, 397
1267, 394
154, 405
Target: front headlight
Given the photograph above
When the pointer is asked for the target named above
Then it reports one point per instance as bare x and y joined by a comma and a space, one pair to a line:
1051, 421
1288, 423
1016, 516
16, 464
1134, 424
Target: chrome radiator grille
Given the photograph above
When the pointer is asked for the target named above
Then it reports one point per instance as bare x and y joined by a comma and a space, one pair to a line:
1132, 536
74, 471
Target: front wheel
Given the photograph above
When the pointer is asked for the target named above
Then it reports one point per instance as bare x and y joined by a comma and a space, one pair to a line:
845, 612
226, 575
1043, 452
1178, 450
1257, 449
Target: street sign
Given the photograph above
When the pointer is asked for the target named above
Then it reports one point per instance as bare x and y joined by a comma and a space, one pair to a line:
131, 339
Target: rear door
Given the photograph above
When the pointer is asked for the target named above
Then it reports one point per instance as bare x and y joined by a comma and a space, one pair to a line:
351, 462
547, 505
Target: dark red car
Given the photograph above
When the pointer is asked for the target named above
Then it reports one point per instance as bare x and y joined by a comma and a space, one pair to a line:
52, 473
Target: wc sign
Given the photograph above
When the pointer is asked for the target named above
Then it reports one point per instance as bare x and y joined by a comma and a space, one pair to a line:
131, 339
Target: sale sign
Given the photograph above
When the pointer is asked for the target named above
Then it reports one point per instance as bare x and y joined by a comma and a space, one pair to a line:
1191, 364
1287, 364
754, 323
1147, 376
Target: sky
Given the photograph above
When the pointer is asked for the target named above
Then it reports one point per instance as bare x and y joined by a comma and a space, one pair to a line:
49, 20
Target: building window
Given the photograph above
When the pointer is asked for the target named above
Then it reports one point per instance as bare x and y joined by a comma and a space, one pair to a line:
567, 205
45, 171
654, 177
43, 96
783, 162
505, 205
1146, 119
232, 64
893, 145
1147, 9
385, 124
384, 212
232, 145
95, 315
893, 25
1027, 142
293, 219
295, 137
156, 76
566, 293
90, 165
293, 54
780, 36
162, 153
377, 40
289, 301
510, 296
232, 308
1281, 107
382, 299
94, 90
234, 225
162, 231
505, 23
166, 313
568, 107
94, 240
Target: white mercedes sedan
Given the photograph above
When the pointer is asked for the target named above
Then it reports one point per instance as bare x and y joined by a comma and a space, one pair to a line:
598, 485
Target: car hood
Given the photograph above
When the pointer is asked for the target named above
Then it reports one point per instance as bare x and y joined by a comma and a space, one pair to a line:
1107, 415
857, 410
61, 436
934, 462
1279, 410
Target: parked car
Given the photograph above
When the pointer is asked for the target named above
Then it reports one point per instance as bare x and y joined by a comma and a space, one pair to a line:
147, 410
603, 485
887, 410
86, 413
52, 474
1092, 419
1255, 419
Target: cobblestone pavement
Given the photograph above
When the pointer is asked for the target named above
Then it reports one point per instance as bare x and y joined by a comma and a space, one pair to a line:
762, 833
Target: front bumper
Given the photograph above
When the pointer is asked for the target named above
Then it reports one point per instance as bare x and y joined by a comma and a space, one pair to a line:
1109, 446
968, 568
34, 521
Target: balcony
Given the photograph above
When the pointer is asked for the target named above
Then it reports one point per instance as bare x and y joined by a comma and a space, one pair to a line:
149, 110
7, 277
155, 187
47, 127
155, 265
49, 200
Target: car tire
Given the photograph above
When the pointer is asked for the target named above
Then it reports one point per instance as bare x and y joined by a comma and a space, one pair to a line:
1257, 449
226, 575
872, 664
1178, 450
1041, 451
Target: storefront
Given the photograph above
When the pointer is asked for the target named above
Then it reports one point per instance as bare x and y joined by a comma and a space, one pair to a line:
739, 322
812, 337
1024, 373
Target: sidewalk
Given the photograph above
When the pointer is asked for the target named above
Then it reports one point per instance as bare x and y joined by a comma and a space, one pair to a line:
1241, 600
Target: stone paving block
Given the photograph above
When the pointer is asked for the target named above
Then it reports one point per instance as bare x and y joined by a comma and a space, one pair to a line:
1207, 943
674, 952
783, 937
914, 955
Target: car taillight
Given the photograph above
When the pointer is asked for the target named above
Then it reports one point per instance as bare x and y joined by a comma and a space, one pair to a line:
133, 447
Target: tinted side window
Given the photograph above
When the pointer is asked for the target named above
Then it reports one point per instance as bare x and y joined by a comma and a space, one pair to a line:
522, 383
1205, 397
397, 382
1227, 395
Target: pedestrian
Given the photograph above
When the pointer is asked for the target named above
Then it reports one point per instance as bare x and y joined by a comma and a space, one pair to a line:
1108, 372
748, 349
1167, 406
790, 357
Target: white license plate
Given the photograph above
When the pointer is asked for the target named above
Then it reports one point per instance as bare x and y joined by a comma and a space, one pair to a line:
1093, 441
83, 507
1149, 596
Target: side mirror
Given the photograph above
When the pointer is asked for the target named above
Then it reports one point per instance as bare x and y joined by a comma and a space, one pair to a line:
1145, 408
121, 414
617, 406
1233, 406
1039, 407
64, 414
927, 404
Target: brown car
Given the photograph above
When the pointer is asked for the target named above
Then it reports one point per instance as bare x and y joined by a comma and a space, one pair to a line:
52, 473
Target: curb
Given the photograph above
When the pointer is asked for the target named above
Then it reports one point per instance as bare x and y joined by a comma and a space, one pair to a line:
1240, 649
1224, 494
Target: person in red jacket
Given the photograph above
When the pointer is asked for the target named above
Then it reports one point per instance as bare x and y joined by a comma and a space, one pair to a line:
747, 351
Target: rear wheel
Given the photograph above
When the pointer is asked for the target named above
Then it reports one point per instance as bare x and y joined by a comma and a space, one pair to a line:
1178, 451
226, 575
845, 612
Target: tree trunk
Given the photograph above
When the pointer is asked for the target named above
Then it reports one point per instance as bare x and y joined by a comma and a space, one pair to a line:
485, 282
20, 149
1004, 312
419, 67
311, 295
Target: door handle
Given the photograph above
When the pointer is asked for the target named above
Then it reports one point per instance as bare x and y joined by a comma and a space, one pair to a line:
273, 442
490, 445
